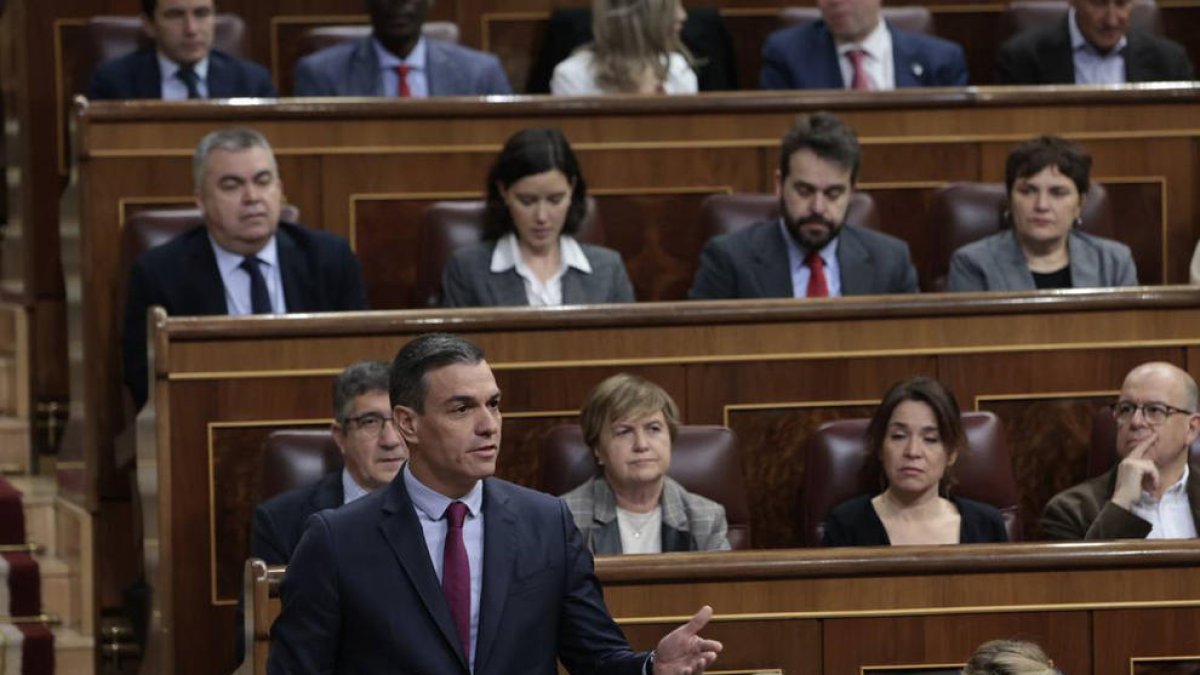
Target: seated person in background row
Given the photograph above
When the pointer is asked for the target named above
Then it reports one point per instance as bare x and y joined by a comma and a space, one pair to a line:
852, 47
243, 260
448, 569
636, 50
372, 453
396, 60
181, 64
915, 437
536, 201
1009, 657
1046, 180
1094, 44
1153, 492
809, 251
633, 507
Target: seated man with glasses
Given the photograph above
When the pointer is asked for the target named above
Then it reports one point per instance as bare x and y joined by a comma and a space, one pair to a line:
1152, 493
372, 452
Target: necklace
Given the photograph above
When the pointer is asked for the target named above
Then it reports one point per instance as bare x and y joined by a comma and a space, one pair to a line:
639, 522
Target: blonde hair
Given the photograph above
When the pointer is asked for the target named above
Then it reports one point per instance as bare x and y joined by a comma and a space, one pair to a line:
632, 37
1009, 657
619, 397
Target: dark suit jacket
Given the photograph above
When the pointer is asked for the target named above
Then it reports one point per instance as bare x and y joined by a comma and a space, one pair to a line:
320, 274
805, 57
361, 596
855, 523
136, 75
1086, 511
753, 263
353, 69
279, 521
469, 282
1042, 55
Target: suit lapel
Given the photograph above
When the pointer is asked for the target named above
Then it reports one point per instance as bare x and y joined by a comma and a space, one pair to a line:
440, 72
329, 494
508, 289
772, 266
204, 285
299, 293
907, 69
500, 547
606, 533
148, 76
1085, 263
854, 263
1017, 275
1193, 491
1058, 59
365, 69
403, 533
218, 82
823, 58
1135, 59
574, 287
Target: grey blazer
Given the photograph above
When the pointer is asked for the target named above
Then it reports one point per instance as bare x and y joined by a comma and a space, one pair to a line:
996, 263
1086, 511
690, 522
753, 263
353, 69
468, 280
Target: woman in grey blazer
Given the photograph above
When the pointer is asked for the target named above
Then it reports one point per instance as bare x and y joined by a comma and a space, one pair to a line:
633, 507
1046, 180
536, 201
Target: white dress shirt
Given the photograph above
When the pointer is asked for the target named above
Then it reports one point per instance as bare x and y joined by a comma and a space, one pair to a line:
237, 280
1171, 516
1091, 66
878, 61
507, 256
351, 490
173, 88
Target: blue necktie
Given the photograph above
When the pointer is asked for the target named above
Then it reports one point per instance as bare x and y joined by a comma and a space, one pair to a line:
260, 300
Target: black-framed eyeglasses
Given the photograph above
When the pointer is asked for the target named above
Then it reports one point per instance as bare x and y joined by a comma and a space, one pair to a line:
1155, 413
371, 424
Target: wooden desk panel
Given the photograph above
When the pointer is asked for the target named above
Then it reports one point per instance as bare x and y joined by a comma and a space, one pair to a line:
770, 369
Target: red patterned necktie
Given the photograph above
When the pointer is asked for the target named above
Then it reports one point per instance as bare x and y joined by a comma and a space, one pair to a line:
456, 574
817, 286
402, 89
860, 82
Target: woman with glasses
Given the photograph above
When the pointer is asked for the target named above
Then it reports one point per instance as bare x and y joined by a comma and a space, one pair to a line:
1152, 492
914, 439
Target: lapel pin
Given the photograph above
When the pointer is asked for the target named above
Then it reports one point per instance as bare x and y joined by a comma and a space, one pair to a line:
918, 70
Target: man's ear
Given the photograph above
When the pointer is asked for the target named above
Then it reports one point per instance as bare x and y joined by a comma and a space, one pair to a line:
1193, 429
406, 423
148, 26
339, 437
778, 183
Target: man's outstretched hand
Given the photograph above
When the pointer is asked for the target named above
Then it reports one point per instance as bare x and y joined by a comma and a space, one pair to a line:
683, 651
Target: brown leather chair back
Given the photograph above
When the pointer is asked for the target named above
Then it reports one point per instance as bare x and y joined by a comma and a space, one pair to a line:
1024, 14
912, 19
965, 212
836, 469
293, 458
450, 225
722, 214
1102, 454
704, 460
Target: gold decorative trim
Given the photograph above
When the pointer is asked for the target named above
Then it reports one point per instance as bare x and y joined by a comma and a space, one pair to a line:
1045, 396
784, 405
1133, 661
124, 202
722, 359
742, 617
212, 488
891, 669
533, 414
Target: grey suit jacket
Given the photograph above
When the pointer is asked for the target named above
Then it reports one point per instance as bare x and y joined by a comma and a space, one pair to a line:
753, 263
1086, 511
1043, 55
353, 69
468, 280
690, 522
996, 263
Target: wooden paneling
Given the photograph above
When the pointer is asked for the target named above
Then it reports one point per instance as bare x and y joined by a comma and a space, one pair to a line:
1134, 641
772, 370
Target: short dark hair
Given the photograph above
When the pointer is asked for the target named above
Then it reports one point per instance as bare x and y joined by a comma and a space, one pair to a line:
945, 408
406, 383
148, 7
528, 153
357, 379
1034, 155
827, 137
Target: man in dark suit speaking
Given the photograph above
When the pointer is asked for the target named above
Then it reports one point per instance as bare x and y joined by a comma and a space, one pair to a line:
181, 64
808, 251
448, 570
243, 260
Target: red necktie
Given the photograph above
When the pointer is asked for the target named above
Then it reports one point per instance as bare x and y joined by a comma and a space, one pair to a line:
402, 89
817, 287
456, 574
860, 82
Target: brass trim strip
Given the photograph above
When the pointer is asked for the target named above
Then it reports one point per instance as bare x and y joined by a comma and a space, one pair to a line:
889, 669
21, 548
913, 611
124, 202
1045, 396
714, 359
530, 414
784, 405
48, 619
212, 488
